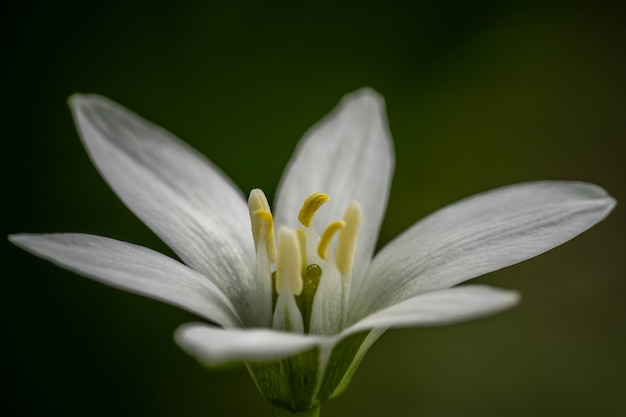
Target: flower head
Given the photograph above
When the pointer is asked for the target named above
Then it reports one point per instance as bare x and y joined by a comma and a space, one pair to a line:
295, 290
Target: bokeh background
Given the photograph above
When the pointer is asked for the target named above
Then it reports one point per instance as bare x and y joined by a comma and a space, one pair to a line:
479, 95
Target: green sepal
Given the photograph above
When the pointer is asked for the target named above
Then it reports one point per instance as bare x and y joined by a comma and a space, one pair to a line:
289, 383
311, 412
341, 361
293, 384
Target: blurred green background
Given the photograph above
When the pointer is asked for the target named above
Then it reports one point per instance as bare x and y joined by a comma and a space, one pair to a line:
479, 94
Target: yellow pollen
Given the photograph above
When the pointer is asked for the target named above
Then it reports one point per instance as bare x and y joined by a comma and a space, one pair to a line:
268, 223
310, 206
327, 236
262, 222
289, 262
346, 242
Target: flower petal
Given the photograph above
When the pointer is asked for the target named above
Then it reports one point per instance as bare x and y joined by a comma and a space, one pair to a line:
135, 269
214, 346
439, 308
177, 192
478, 235
349, 156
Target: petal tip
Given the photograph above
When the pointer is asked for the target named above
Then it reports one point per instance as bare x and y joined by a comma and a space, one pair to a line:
180, 334
183, 336
74, 99
77, 100
83, 103
609, 204
510, 298
366, 97
19, 239
597, 196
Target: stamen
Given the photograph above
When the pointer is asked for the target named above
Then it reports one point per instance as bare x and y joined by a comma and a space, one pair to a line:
310, 206
289, 262
327, 236
257, 201
268, 230
302, 239
262, 222
346, 243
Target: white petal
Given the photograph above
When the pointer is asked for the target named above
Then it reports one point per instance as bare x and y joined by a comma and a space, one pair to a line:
349, 156
327, 316
287, 315
212, 345
177, 192
262, 316
135, 269
440, 307
478, 235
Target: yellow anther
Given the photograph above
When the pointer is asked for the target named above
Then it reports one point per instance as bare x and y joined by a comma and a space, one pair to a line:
268, 228
264, 215
257, 201
327, 236
289, 262
346, 243
262, 222
310, 206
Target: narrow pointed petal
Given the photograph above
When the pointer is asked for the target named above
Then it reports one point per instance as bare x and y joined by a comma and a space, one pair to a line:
287, 316
177, 192
327, 316
349, 156
478, 235
262, 315
135, 269
214, 346
440, 307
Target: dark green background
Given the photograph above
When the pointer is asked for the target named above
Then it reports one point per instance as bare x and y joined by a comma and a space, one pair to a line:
479, 94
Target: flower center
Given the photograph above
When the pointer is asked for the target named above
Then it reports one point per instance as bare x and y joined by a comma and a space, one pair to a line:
309, 273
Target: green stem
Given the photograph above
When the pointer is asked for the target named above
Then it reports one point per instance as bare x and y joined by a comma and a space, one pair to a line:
311, 412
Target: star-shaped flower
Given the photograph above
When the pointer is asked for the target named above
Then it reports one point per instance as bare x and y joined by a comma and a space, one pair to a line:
295, 291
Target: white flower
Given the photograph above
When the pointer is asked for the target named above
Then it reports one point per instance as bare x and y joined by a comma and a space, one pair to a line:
294, 290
